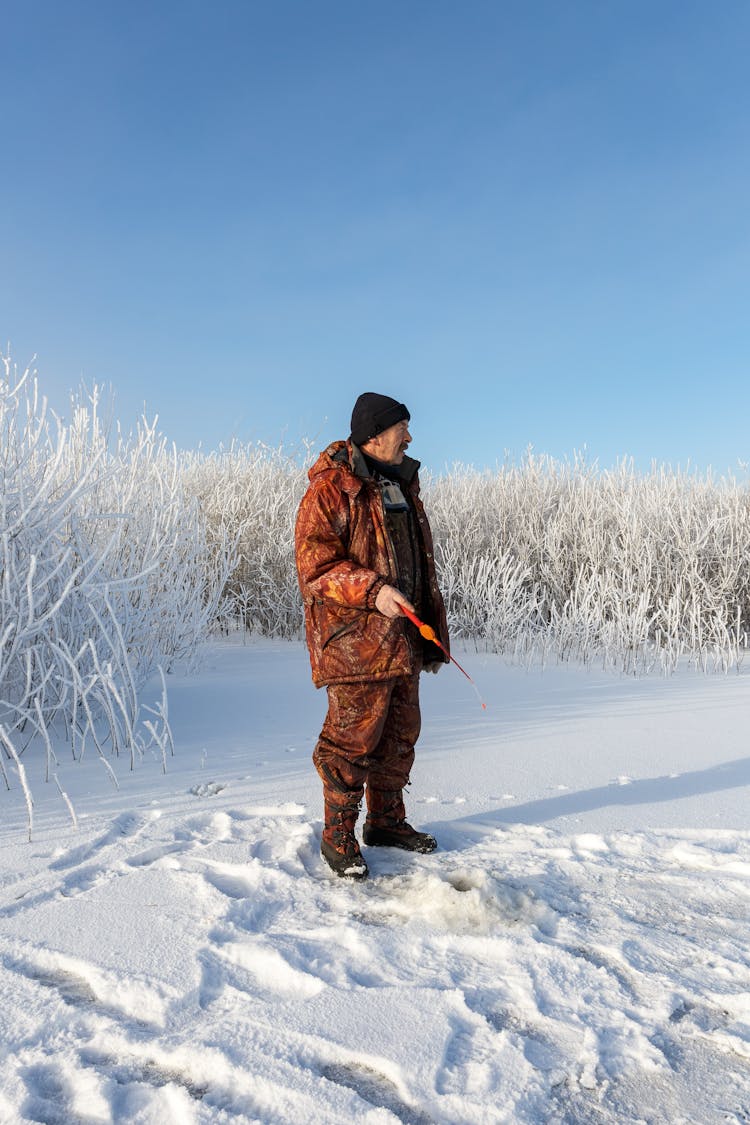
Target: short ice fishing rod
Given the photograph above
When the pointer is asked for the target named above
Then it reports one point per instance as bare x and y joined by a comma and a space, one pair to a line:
429, 634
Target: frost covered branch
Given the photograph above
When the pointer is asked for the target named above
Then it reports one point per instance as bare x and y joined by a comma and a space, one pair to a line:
106, 572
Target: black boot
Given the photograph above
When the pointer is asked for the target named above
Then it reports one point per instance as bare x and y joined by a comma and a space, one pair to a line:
398, 835
386, 825
347, 861
338, 846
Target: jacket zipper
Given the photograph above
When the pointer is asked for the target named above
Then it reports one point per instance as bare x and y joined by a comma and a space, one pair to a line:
393, 563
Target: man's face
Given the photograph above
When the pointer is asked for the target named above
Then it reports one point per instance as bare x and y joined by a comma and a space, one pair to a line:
391, 445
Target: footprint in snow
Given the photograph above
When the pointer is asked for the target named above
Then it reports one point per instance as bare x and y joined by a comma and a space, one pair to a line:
107, 998
153, 855
539, 1049
207, 789
143, 1071
375, 1088
48, 1094
127, 824
83, 880
232, 880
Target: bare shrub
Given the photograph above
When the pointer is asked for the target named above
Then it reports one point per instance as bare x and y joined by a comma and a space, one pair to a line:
634, 570
105, 575
250, 493
537, 559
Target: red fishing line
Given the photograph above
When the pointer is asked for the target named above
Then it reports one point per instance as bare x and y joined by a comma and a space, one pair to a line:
429, 635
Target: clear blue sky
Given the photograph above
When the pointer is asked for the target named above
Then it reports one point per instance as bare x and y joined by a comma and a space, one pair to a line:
529, 220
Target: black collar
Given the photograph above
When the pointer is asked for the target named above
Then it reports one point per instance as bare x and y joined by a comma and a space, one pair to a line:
405, 472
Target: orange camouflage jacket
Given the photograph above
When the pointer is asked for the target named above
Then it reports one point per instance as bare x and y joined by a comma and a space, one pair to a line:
344, 556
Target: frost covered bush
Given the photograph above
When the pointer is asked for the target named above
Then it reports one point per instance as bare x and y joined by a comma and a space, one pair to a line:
539, 559
105, 574
634, 570
252, 492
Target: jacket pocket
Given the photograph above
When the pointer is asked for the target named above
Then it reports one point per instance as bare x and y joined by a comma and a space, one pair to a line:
340, 632
348, 644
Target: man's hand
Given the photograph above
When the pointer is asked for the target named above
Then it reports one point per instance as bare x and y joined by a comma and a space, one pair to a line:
388, 601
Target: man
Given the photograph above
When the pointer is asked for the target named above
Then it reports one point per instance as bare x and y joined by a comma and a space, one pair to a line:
364, 550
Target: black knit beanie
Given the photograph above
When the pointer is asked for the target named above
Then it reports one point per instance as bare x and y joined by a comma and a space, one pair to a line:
374, 413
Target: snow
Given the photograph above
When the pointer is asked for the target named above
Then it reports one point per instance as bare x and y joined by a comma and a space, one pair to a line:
576, 951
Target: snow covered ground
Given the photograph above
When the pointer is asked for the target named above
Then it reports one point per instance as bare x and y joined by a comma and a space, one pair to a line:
576, 951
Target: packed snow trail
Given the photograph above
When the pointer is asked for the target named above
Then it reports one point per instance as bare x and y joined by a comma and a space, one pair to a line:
185, 957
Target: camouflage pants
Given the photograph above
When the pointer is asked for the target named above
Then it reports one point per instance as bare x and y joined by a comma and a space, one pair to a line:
368, 741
